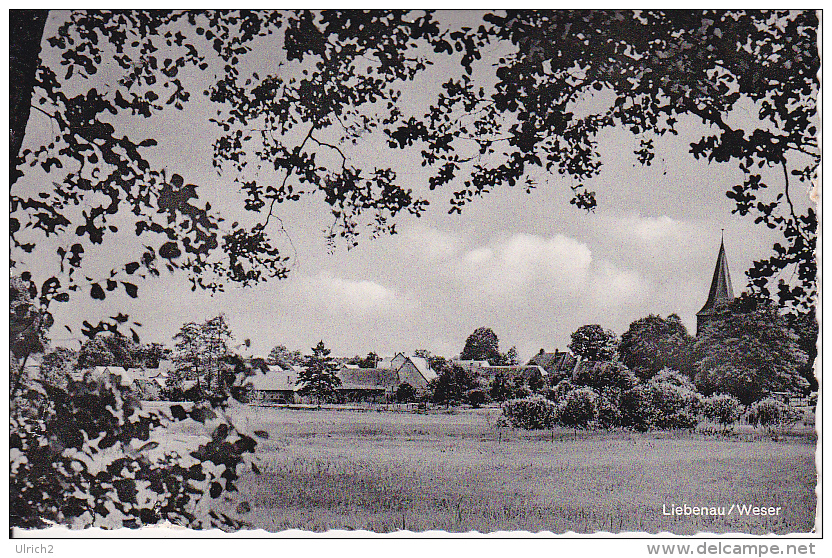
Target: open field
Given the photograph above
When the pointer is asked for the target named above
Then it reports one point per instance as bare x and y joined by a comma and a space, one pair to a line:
384, 471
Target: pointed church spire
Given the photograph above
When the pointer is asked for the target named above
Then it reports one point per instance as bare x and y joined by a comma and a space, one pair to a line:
721, 289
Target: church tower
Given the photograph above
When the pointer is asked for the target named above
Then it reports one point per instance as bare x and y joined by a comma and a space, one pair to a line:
721, 290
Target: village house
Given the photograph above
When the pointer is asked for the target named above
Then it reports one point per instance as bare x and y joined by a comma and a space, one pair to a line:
275, 385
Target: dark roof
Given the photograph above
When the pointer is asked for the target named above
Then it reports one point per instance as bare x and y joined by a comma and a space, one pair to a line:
382, 377
721, 290
557, 362
513, 370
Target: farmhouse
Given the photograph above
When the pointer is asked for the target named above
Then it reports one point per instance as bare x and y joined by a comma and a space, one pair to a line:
367, 384
380, 383
558, 365
275, 385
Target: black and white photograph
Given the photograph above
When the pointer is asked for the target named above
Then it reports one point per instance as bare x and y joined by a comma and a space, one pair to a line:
415, 272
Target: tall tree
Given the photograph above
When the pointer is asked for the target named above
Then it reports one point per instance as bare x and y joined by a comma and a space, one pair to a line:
592, 342
109, 350
201, 353
483, 344
653, 343
319, 377
749, 351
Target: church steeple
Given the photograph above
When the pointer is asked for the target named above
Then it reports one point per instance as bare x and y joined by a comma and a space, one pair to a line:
721, 289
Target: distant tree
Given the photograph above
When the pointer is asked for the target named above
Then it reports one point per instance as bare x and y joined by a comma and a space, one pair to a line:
510, 358
318, 377
476, 397
370, 361
150, 354
216, 339
107, 349
423, 353
405, 393
452, 383
653, 343
201, 353
805, 326
536, 381
483, 344
602, 375
57, 365
500, 388
748, 350
283, 357
592, 342
187, 355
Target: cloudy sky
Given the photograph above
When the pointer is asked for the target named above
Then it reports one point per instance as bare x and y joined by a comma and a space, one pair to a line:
530, 266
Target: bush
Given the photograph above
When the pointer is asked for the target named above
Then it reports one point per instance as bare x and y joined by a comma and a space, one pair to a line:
533, 413
477, 397
579, 408
670, 376
675, 406
609, 408
557, 393
602, 375
722, 408
637, 410
405, 393
661, 405
771, 413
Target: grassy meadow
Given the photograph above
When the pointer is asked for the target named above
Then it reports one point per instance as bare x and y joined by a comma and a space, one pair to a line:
457, 472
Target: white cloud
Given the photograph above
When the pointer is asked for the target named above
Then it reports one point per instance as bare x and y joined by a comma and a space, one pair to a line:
432, 243
514, 267
337, 294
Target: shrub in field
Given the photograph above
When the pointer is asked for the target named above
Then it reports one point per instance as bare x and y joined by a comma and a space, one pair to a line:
670, 376
637, 410
770, 414
579, 408
477, 397
674, 406
722, 408
609, 408
563, 387
500, 388
602, 375
532, 413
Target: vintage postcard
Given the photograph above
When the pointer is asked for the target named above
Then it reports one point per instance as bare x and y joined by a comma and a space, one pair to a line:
414, 272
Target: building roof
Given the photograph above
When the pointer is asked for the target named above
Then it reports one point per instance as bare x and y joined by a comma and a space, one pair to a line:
721, 289
127, 375
368, 377
555, 363
423, 367
276, 379
471, 363
513, 370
